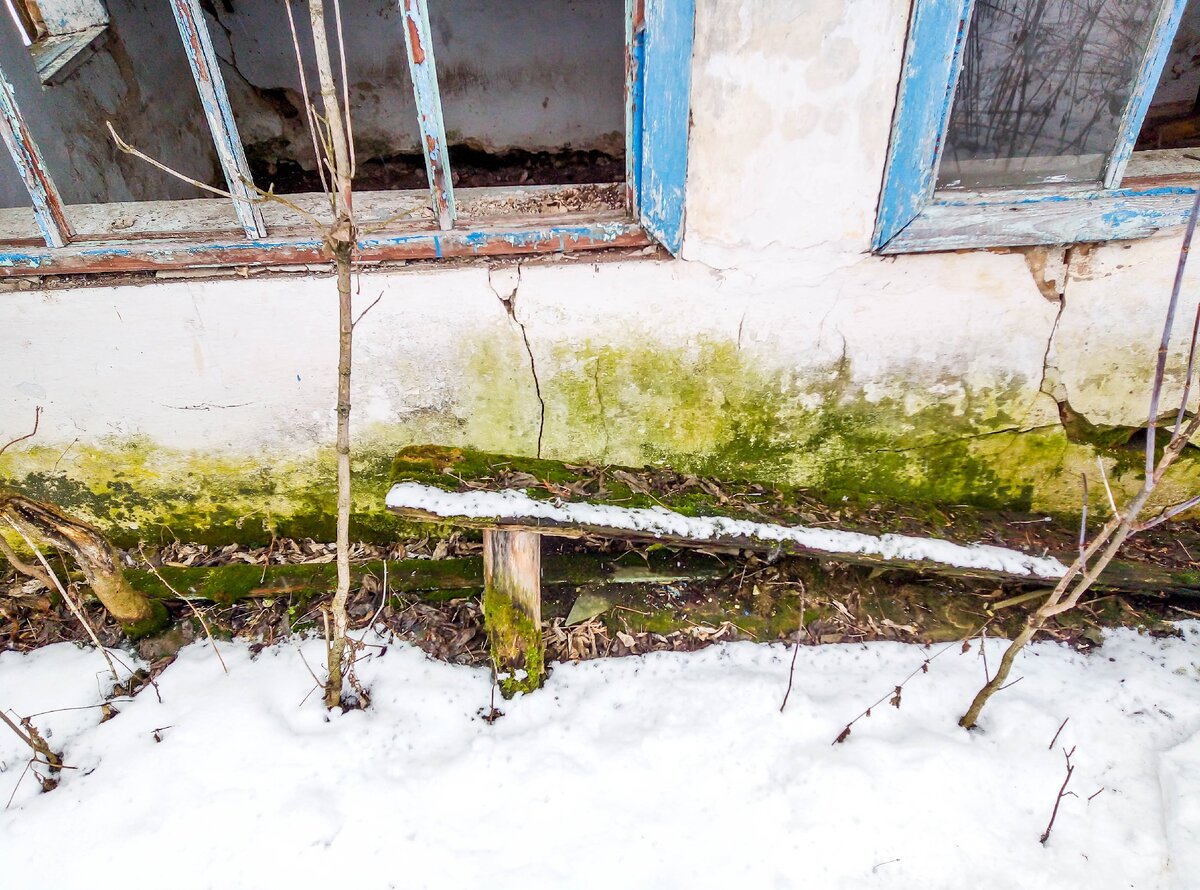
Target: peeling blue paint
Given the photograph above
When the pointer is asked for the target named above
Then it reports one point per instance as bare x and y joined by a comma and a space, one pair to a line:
666, 86
419, 43
197, 46
1148, 76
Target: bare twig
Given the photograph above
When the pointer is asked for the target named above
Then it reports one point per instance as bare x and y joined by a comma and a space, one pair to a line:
795, 650
1112, 502
894, 696
1062, 792
23, 567
1161, 366
199, 617
37, 419
1050, 747
368, 309
1083, 523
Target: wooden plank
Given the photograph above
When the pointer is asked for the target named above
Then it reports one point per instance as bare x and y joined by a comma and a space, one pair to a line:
666, 86
932, 59
197, 46
512, 608
1124, 576
47, 204
540, 236
1148, 76
421, 65
1039, 219
403, 210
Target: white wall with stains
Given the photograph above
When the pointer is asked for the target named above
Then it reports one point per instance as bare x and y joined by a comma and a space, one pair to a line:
874, 364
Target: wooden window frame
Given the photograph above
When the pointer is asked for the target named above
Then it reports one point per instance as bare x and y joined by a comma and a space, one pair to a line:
914, 216
658, 52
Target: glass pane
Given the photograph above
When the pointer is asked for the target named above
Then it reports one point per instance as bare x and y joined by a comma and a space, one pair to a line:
1043, 87
533, 91
1174, 117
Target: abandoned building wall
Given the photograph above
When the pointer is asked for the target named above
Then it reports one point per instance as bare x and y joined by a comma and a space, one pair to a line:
778, 347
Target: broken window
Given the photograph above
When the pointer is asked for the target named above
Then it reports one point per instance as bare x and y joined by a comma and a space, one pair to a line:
1016, 123
1043, 89
478, 127
58, 32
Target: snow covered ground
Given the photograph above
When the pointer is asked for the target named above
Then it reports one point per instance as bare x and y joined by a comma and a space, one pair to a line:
670, 770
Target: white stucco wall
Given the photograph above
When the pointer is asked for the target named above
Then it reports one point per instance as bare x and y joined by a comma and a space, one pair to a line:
635, 358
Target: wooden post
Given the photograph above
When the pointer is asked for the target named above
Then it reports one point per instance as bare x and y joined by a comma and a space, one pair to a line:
512, 608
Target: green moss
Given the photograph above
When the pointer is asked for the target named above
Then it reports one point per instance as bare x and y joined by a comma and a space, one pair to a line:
516, 644
706, 407
159, 618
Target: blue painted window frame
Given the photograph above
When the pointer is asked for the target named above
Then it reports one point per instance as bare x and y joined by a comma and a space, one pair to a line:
913, 216
659, 37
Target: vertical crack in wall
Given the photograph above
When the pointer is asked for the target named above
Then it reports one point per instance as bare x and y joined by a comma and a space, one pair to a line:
510, 306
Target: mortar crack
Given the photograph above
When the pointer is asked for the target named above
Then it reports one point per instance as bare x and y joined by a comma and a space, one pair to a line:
510, 306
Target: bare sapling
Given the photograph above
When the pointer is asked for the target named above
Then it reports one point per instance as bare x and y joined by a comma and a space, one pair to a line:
1094, 556
333, 144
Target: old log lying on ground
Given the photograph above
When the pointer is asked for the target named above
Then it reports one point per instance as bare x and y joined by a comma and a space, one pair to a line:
523, 499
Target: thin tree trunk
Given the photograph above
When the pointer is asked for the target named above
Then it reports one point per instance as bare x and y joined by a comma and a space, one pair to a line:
340, 239
337, 647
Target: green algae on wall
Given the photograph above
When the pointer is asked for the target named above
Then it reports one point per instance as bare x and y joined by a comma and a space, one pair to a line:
707, 407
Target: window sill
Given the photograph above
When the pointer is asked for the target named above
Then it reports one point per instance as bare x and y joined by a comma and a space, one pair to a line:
57, 56
167, 235
966, 221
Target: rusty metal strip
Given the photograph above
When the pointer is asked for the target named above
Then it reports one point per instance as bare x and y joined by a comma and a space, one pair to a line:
47, 204
197, 45
107, 257
419, 43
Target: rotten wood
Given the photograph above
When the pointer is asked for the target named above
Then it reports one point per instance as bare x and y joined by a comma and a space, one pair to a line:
512, 607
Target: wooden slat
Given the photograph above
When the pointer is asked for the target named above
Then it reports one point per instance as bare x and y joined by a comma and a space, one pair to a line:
512, 607
1036, 219
635, 61
1149, 73
47, 204
932, 58
197, 46
419, 43
541, 236
666, 87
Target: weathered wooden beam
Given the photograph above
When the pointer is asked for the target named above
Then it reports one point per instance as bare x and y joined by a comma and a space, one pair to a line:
512, 608
47, 203
419, 42
197, 46
540, 236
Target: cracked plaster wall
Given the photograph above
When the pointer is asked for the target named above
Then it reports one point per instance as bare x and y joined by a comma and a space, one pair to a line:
776, 348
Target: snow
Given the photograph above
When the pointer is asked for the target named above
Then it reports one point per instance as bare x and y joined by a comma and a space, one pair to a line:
513, 503
668, 770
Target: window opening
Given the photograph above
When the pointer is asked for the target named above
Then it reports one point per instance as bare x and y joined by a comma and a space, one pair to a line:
532, 93
1043, 90
1173, 121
